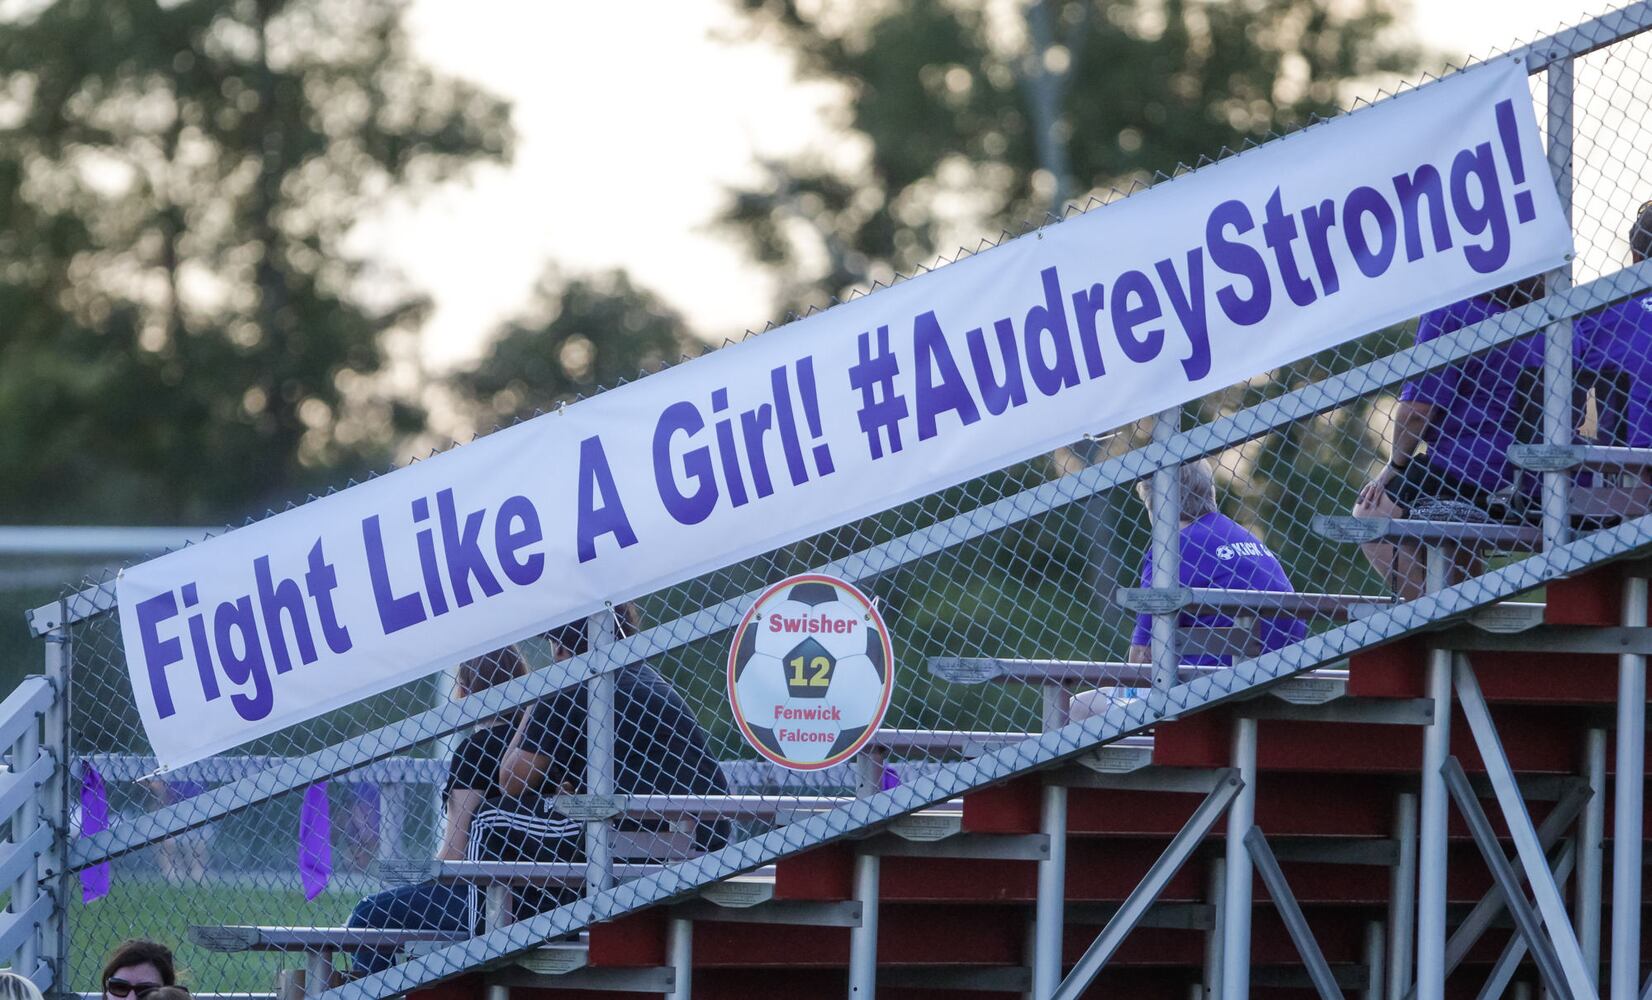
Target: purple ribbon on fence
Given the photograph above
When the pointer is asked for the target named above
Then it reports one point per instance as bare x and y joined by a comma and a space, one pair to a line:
890, 778
94, 818
315, 840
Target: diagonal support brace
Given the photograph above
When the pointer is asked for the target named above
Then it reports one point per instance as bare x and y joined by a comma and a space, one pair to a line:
1547, 894
1267, 866
1526, 920
1141, 898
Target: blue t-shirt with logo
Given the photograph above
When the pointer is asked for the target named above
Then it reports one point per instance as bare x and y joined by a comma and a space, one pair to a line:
1479, 402
1217, 552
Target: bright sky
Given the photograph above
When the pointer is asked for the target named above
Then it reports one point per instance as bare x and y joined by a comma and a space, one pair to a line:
633, 117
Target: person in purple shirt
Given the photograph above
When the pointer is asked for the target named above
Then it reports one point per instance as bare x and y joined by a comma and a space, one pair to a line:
1218, 553
1467, 415
1614, 349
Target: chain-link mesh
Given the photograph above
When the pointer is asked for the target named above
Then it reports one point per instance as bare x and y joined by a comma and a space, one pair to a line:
1001, 596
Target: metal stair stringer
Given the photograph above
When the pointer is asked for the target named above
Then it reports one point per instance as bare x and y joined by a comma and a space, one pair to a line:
1626, 540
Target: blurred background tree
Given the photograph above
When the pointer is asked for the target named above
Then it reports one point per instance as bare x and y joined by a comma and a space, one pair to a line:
186, 336
577, 335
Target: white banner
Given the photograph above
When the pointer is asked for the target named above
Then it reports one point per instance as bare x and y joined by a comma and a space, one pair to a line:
1155, 300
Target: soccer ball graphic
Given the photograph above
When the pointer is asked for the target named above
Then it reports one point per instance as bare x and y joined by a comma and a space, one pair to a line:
810, 674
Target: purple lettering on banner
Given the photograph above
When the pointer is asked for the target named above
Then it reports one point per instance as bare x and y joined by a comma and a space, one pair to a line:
464, 552
734, 480
685, 508
998, 395
1188, 301
1413, 189
811, 413
1135, 302
395, 613
1490, 216
1279, 230
429, 568
940, 385
315, 841
321, 580
1240, 260
600, 510
94, 818
1087, 305
202, 649
1318, 220
235, 623
1050, 317
1525, 209
273, 599
158, 653
1363, 201
516, 529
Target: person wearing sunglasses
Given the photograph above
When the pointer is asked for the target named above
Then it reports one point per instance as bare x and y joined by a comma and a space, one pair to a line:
136, 968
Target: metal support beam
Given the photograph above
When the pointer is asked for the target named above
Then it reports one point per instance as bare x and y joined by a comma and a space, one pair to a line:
1557, 341
1360, 711
1295, 923
1519, 821
1526, 920
1431, 838
1050, 908
679, 950
1215, 892
1374, 968
1591, 836
601, 693
1627, 802
1236, 896
1402, 895
1166, 549
863, 940
1136, 905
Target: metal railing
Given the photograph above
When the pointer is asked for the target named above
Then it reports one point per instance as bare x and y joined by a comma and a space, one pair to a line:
1021, 563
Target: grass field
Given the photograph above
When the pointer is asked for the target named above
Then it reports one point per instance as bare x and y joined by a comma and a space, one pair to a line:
152, 908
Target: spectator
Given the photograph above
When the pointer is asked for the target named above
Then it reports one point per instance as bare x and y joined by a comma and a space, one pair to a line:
659, 748
1216, 552
481, 824
15, 987
1467, 415
137, 966
168, 993
1615, 351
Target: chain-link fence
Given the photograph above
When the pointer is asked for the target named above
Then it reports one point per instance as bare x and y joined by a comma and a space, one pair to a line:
604, 756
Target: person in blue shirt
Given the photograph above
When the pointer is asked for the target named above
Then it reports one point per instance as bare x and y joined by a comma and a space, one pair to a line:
1218, 553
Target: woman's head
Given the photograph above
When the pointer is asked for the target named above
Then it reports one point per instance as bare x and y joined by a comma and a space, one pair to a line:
483, 672
15, 987
1198, 490
136, 967
571, 639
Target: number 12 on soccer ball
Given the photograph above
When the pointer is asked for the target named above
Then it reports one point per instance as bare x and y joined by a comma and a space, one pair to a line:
821, 676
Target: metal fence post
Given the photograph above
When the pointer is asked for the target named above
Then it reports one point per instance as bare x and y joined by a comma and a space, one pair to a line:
1591, 835
1236, 898
1557, 345
1166, 510
600, 765
55, 795
1627, 803
1431, 840
1402, 897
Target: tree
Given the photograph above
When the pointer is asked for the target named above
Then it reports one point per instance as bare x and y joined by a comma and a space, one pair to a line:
975, 116
183, 333
577, 336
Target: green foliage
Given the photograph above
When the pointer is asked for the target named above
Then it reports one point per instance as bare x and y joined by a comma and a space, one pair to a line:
977, 116
183, 325
577, 336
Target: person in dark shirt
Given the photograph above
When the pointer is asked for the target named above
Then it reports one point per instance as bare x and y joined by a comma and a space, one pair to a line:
659, 747
481, 824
